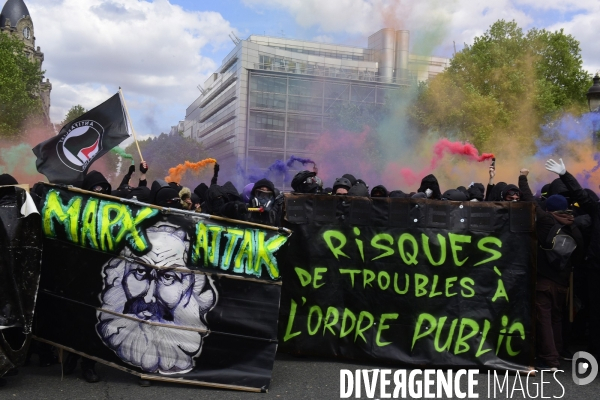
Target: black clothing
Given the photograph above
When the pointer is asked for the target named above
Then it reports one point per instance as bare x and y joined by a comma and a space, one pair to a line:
360, 189
93, 179
380, 188
431, 182
544, 223
398, 194
350, 178
200, 191
494, 192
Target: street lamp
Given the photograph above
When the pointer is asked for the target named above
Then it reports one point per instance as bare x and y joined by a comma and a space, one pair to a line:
593, 94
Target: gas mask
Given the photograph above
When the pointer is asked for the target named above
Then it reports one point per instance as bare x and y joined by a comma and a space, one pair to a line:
262, 198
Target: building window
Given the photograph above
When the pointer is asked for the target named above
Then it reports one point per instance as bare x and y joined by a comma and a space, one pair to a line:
26, 32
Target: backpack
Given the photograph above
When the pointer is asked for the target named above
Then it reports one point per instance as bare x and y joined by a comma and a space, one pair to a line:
558, 248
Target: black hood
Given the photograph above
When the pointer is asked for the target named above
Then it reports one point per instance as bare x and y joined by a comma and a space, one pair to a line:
360, 189
380, 188
507, 189
176, 186
463, 190
475, 192
95, 178
263, 182
398, 194
7, 179
141, 193
454, 195
558, 187
232, 193
351, 178
200, 191
431, 182
496, 194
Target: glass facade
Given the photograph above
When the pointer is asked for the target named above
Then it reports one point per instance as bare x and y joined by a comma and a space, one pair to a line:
286, 114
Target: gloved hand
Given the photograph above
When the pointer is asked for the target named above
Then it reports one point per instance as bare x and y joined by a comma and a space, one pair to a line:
216, 169
428, 193
144, 167
555, 167
131, 169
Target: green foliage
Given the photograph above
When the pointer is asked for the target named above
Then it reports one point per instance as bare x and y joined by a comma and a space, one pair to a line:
167, 151
19, 86
505, 85
74, 112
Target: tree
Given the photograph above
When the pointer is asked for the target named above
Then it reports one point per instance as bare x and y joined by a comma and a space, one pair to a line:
19, 86
74, 112
504, 86
167, 151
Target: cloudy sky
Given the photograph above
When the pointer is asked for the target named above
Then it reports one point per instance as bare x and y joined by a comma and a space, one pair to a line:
159, 51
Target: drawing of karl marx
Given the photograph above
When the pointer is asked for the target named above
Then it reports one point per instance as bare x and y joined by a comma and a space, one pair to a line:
153, 316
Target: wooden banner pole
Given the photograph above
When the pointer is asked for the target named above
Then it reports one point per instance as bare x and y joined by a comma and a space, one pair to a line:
131, 124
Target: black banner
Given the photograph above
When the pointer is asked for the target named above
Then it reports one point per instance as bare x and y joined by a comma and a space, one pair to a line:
20, 262
166, 295
420, 282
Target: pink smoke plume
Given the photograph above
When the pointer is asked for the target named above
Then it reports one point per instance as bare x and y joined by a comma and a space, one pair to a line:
441, 147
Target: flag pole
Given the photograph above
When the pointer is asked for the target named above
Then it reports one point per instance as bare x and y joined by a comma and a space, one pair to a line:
131, 123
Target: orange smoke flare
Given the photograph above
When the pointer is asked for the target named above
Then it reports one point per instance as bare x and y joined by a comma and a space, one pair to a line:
176, 173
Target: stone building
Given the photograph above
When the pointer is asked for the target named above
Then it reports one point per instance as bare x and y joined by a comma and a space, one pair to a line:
15, 19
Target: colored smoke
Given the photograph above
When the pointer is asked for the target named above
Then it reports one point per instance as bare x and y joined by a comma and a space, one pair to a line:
176, 173
301, 160
120, 152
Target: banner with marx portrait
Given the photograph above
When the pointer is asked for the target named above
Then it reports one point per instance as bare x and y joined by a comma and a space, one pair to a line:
421, 282
173, 296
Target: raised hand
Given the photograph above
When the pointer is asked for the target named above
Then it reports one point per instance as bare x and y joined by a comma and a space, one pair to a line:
555, 167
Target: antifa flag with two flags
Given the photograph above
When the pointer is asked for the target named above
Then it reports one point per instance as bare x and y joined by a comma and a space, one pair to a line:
66, 157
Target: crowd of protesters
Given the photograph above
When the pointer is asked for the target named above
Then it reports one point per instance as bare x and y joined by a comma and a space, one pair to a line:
562, 208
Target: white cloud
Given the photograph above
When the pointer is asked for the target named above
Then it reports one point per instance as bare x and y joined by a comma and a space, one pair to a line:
435, 24
155, 50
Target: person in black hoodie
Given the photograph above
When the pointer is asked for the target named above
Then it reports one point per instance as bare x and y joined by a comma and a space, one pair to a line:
552, 281
588, 203
94, 181
379, 191
265, 196
164, 195
430, 182
221, 203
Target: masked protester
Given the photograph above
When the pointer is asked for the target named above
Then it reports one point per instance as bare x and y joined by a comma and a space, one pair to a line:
164, 195
510, 193
141, 192
94, 181
431, 187
305, 182
264, 196
552, 274
220, 202
379, 191
588, 203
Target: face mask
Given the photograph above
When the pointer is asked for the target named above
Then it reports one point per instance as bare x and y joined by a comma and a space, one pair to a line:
262, 199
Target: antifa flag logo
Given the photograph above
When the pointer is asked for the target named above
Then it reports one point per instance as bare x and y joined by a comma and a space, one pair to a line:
81, 145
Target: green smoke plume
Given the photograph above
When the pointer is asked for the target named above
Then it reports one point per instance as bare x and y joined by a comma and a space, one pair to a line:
120, 152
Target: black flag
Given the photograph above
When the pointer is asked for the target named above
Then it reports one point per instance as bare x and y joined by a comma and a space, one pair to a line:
66, 157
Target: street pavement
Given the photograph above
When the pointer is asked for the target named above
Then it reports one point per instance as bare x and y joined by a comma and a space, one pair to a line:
293, 378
